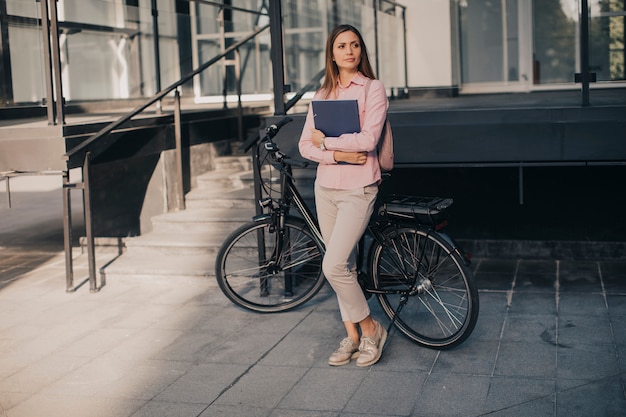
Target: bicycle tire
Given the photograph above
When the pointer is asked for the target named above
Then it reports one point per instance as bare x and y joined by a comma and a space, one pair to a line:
258, 281
442, 298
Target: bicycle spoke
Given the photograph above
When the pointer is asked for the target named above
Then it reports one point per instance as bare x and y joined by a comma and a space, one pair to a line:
440, 311
286, 275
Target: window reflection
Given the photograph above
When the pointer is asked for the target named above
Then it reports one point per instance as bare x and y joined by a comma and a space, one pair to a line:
606, 29
555, 25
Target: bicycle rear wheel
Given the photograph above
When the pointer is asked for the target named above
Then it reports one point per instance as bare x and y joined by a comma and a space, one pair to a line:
440, 305
258, 270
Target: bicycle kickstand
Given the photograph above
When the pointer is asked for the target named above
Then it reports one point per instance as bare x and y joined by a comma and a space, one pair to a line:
403, 300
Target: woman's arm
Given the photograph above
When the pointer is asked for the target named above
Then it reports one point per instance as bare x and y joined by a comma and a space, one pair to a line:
311, 149
375, 113
309, 146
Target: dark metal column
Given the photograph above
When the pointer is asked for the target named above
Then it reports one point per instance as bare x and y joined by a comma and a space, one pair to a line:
157, 54
584, 51
91, 252
6, 84
376, 35
67, 232
47, 61
56, 63
180, 189
277, 55
406, 58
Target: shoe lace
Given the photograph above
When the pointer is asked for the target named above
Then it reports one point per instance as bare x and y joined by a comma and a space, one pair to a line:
367, 344
345, 344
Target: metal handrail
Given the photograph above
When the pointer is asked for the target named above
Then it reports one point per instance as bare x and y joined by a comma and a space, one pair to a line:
86, 168
104, 131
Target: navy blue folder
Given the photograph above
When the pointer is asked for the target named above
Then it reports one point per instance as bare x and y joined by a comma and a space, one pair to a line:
336, 117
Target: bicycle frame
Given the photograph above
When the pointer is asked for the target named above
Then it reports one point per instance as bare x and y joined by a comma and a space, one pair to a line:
419, 276
290, 196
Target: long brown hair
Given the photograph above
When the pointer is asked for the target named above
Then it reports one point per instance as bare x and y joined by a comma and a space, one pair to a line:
332, 71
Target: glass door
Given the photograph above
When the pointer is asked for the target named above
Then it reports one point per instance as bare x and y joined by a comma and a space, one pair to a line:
556, 33
494, 45
525, 45
606, 43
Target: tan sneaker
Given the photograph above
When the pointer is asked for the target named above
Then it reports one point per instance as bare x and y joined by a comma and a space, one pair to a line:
348, 349
372, 347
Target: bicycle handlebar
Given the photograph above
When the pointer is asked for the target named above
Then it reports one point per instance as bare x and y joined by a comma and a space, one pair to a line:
271, 130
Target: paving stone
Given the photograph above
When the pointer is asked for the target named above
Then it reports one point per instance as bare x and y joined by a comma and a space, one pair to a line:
512, 393
488, 327
530, 329
526, 360
169, 409
471, 358
584, 361
203, 383
387, 393
526, 303
494, 281
582, 304
452, 395
574, 330
262, 386
324, 389
602, 398
143, 347
614, 276
535, 282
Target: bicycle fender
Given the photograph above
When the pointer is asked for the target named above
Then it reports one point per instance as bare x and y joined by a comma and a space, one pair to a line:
261, 217
455, 247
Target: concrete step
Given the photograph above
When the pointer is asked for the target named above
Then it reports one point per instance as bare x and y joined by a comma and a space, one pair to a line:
184, 244
201, 220
241, 163
225, 179
133, 266
173, 243
208, 198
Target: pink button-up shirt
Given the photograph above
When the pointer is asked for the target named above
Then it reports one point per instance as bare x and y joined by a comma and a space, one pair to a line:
372, 113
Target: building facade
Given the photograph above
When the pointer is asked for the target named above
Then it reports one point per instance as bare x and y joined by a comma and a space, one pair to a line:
129, 49
553, 132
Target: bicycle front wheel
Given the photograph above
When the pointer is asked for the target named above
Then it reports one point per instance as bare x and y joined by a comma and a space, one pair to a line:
260, 269
424, 286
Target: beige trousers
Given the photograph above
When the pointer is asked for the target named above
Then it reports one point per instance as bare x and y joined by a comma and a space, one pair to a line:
343, 216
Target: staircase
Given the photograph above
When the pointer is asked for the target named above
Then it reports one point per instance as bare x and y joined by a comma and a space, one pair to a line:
184, 244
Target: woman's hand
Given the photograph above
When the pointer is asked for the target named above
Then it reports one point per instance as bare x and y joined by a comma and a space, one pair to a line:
354, 158
317, 136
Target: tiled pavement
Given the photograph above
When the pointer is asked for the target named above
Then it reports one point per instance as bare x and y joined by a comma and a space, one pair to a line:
550, 341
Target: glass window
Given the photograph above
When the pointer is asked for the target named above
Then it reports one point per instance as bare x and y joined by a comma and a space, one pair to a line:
99, 50
22, 72
307, 24
489, 41
254, 55
555, 26
606, 44
306, 27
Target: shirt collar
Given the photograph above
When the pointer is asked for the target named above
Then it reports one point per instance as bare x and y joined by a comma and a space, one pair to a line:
358, 79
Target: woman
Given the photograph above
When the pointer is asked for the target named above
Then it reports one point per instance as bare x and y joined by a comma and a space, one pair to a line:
346, 186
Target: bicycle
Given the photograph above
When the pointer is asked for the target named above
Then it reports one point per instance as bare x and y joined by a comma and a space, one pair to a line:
420, 277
